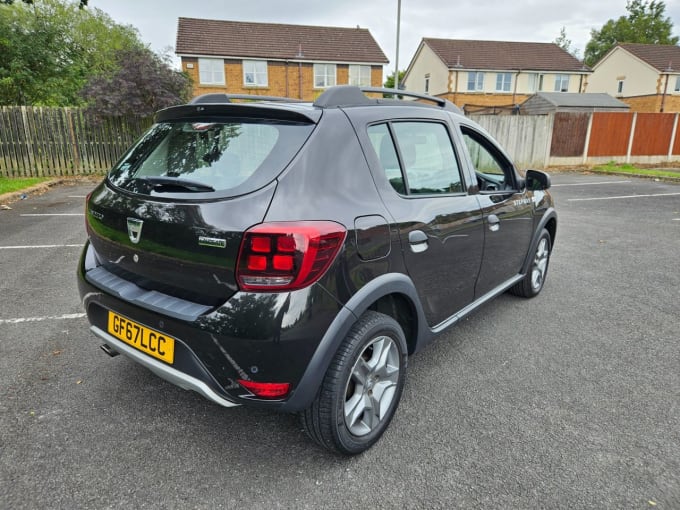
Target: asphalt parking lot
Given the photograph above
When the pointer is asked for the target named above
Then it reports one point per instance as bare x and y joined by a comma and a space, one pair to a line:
569, 400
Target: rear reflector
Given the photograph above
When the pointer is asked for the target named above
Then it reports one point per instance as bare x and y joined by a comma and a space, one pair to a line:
287, 255
266, 390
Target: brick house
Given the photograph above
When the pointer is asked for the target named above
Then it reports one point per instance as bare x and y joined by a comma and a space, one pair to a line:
492, 73
645, 76
274, 59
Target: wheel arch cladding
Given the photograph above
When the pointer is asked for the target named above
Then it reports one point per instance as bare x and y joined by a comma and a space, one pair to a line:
401, 309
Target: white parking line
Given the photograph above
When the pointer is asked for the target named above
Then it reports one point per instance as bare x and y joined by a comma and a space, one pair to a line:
622, 197
589, 183
54, 214
77, 196
25, 247
40, 319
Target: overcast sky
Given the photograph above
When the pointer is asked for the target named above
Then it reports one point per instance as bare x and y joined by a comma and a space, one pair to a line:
500, 20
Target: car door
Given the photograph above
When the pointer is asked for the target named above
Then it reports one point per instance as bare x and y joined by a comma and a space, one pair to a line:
440, 224
507, 210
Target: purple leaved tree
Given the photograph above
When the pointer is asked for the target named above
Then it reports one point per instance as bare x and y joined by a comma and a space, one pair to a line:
142, 84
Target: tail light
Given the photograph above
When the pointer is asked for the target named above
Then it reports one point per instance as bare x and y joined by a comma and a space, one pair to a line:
266, 390
287, 256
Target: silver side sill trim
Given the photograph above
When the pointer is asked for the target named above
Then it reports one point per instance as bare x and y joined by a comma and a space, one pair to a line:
477, 303
162, 370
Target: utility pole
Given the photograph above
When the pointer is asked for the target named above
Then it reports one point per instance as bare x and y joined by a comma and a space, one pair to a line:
396, 60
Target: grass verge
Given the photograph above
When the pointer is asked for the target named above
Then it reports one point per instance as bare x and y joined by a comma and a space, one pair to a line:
8, 185
613, 168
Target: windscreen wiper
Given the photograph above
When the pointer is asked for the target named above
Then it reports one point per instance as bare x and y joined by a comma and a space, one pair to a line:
170, 184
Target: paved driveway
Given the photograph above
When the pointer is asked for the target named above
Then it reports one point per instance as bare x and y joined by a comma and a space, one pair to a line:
570, 400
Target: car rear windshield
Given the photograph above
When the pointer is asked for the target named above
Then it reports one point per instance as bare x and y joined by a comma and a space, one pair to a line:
230, 158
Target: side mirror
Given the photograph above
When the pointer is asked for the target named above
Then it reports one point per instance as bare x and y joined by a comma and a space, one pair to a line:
537, 180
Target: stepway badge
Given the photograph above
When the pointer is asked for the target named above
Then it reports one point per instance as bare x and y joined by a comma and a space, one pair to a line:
213, 242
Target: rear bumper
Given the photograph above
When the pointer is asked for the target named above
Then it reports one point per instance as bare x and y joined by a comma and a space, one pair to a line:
162, 370
253, 336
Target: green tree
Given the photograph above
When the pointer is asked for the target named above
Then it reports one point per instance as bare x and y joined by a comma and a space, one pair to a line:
82, 4
565, 43
646, 23
50, 48
389, 82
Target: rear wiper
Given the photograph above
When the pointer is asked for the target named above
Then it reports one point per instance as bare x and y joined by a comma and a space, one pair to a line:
170, 184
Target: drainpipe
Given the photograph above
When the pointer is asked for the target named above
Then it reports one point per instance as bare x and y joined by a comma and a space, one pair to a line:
287, 92
514, 89
665, 89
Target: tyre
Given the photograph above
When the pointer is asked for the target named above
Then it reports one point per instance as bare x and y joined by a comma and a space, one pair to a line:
362, 387
533, 282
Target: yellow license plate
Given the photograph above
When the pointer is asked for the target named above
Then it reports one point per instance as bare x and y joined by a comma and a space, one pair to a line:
140, 337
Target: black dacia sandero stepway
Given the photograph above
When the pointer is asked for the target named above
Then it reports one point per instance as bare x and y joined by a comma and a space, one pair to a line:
293, 255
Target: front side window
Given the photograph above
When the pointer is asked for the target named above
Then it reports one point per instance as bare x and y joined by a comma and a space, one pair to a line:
211, 71
324, 75
360, 76
503, 82
562, 83
494, 172
422, 162
255, 73
208, 156
475, 81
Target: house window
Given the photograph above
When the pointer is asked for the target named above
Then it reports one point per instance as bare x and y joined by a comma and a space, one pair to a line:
255, 73
211, 71
324, 75
360, 75
562, 83
503, 81
677, 84
475, 81
619, 87
535, 82
427, 83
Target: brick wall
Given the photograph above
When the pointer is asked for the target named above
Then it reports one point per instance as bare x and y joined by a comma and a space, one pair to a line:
652, 103
461, 99
290, 79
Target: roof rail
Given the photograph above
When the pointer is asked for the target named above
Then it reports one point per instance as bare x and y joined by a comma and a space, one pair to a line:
227, 98
348, 95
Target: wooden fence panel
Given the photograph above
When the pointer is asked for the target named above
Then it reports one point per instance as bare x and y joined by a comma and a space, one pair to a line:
41, 141
524, 137
569, 134
652, 134
609, 134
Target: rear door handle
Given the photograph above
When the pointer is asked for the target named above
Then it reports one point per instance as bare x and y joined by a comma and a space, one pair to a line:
418, 241
494, 223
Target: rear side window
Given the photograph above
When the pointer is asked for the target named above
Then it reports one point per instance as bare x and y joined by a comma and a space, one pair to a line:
227, 157
422, 162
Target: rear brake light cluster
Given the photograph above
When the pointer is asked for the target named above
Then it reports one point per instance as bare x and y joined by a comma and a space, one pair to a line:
287, 256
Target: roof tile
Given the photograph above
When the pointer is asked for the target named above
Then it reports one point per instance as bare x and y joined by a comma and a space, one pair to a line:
277, 41
504, 55
663, 57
